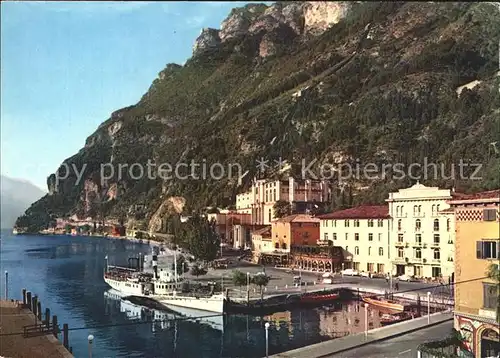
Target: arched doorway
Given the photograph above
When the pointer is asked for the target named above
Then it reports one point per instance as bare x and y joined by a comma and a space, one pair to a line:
490, 345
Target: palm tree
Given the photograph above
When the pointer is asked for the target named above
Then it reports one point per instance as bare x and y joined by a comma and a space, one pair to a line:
494, 274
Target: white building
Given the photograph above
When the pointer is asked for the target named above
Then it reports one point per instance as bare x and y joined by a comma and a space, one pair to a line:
260, 199
422, 232
364, 232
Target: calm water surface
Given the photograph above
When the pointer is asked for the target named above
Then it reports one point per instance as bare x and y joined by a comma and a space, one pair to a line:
66, 274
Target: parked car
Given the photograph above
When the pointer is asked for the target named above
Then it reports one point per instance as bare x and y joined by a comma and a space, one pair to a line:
350, 272
406, 278
364, 274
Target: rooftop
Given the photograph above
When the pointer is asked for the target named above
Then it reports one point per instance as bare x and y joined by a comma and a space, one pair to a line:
265, 231
491, 194
360, 212
298, 218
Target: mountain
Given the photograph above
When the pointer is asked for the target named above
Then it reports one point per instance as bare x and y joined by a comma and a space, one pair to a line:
15, 197
343, 83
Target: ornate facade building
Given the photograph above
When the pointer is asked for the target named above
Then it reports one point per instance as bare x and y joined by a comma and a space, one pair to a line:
477, 247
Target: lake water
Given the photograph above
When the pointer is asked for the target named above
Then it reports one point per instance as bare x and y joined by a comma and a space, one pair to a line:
66, 274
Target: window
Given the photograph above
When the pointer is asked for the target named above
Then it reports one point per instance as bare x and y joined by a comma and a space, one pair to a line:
490, 296
437, 254
334, 223
270, 215
397, 210
347, 248
380, 223
418, 238
370, 237
381, 251
356, 237
436, 239
346, 236
346, 223
448, 224
267, 197
276, 245
379, 237
417, 253
399, 225
356, 250
433, 209
436, 272
487, 250
400, 237
356, 223
418, 225
489, 214
415, 210
274, 194
400, 252
437, 208
325, 223
334, 236
436, 224
283, 246
419, 210
326, 236
370, 223
369, 250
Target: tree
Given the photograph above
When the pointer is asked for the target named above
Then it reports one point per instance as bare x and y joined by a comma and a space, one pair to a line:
239, 278
281, 209
494, 274
67, 228
198, 271
201, 239
139, 235
182, 266
261, 280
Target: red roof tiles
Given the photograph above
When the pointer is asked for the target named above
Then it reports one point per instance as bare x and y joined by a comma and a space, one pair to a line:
360, 212
491, 194
264, 232
298, 218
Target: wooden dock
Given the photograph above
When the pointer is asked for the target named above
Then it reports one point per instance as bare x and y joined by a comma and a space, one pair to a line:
23, 335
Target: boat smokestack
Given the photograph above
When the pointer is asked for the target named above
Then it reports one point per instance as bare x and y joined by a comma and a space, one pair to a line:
155, 266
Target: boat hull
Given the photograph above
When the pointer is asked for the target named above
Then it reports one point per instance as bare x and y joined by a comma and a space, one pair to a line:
393, 307
125, 287
320, 298
203, 304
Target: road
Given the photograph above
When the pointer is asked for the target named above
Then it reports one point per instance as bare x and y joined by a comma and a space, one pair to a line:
404, 346
282, 278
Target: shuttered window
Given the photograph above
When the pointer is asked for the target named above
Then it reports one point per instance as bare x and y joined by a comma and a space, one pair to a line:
487, 249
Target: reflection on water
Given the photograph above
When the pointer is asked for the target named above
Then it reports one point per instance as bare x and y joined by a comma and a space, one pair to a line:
66, 274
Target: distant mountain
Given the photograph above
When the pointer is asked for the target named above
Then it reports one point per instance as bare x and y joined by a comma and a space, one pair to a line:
16, 196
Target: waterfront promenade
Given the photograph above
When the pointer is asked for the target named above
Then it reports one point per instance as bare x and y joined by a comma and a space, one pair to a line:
335, 347
13, 343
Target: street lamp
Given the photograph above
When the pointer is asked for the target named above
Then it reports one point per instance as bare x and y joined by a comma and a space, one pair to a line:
91, 340
428, 307
267, 339
248, 287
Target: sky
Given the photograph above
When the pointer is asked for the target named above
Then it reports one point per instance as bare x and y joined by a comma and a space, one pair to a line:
66, 66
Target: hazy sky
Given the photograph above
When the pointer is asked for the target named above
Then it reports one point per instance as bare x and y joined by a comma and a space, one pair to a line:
67, 65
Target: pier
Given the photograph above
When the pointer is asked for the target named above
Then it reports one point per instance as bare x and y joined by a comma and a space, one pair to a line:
27, 331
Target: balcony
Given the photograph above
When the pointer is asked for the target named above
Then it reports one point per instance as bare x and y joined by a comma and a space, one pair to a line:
400, 244
489, 313
417, 244
436, 261
407, 244
416, 260
399, 260
435, 244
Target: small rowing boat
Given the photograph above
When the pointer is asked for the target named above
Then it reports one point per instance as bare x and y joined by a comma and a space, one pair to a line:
387, 319
386, 304
318, 297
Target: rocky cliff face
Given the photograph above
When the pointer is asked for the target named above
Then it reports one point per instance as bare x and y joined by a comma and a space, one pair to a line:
334, 82
277, 24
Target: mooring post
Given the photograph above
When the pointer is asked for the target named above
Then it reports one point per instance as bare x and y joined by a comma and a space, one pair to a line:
6, 285
55, 327
24, 296
65, 336
39, 310
34, 304
47, 317
28, 300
